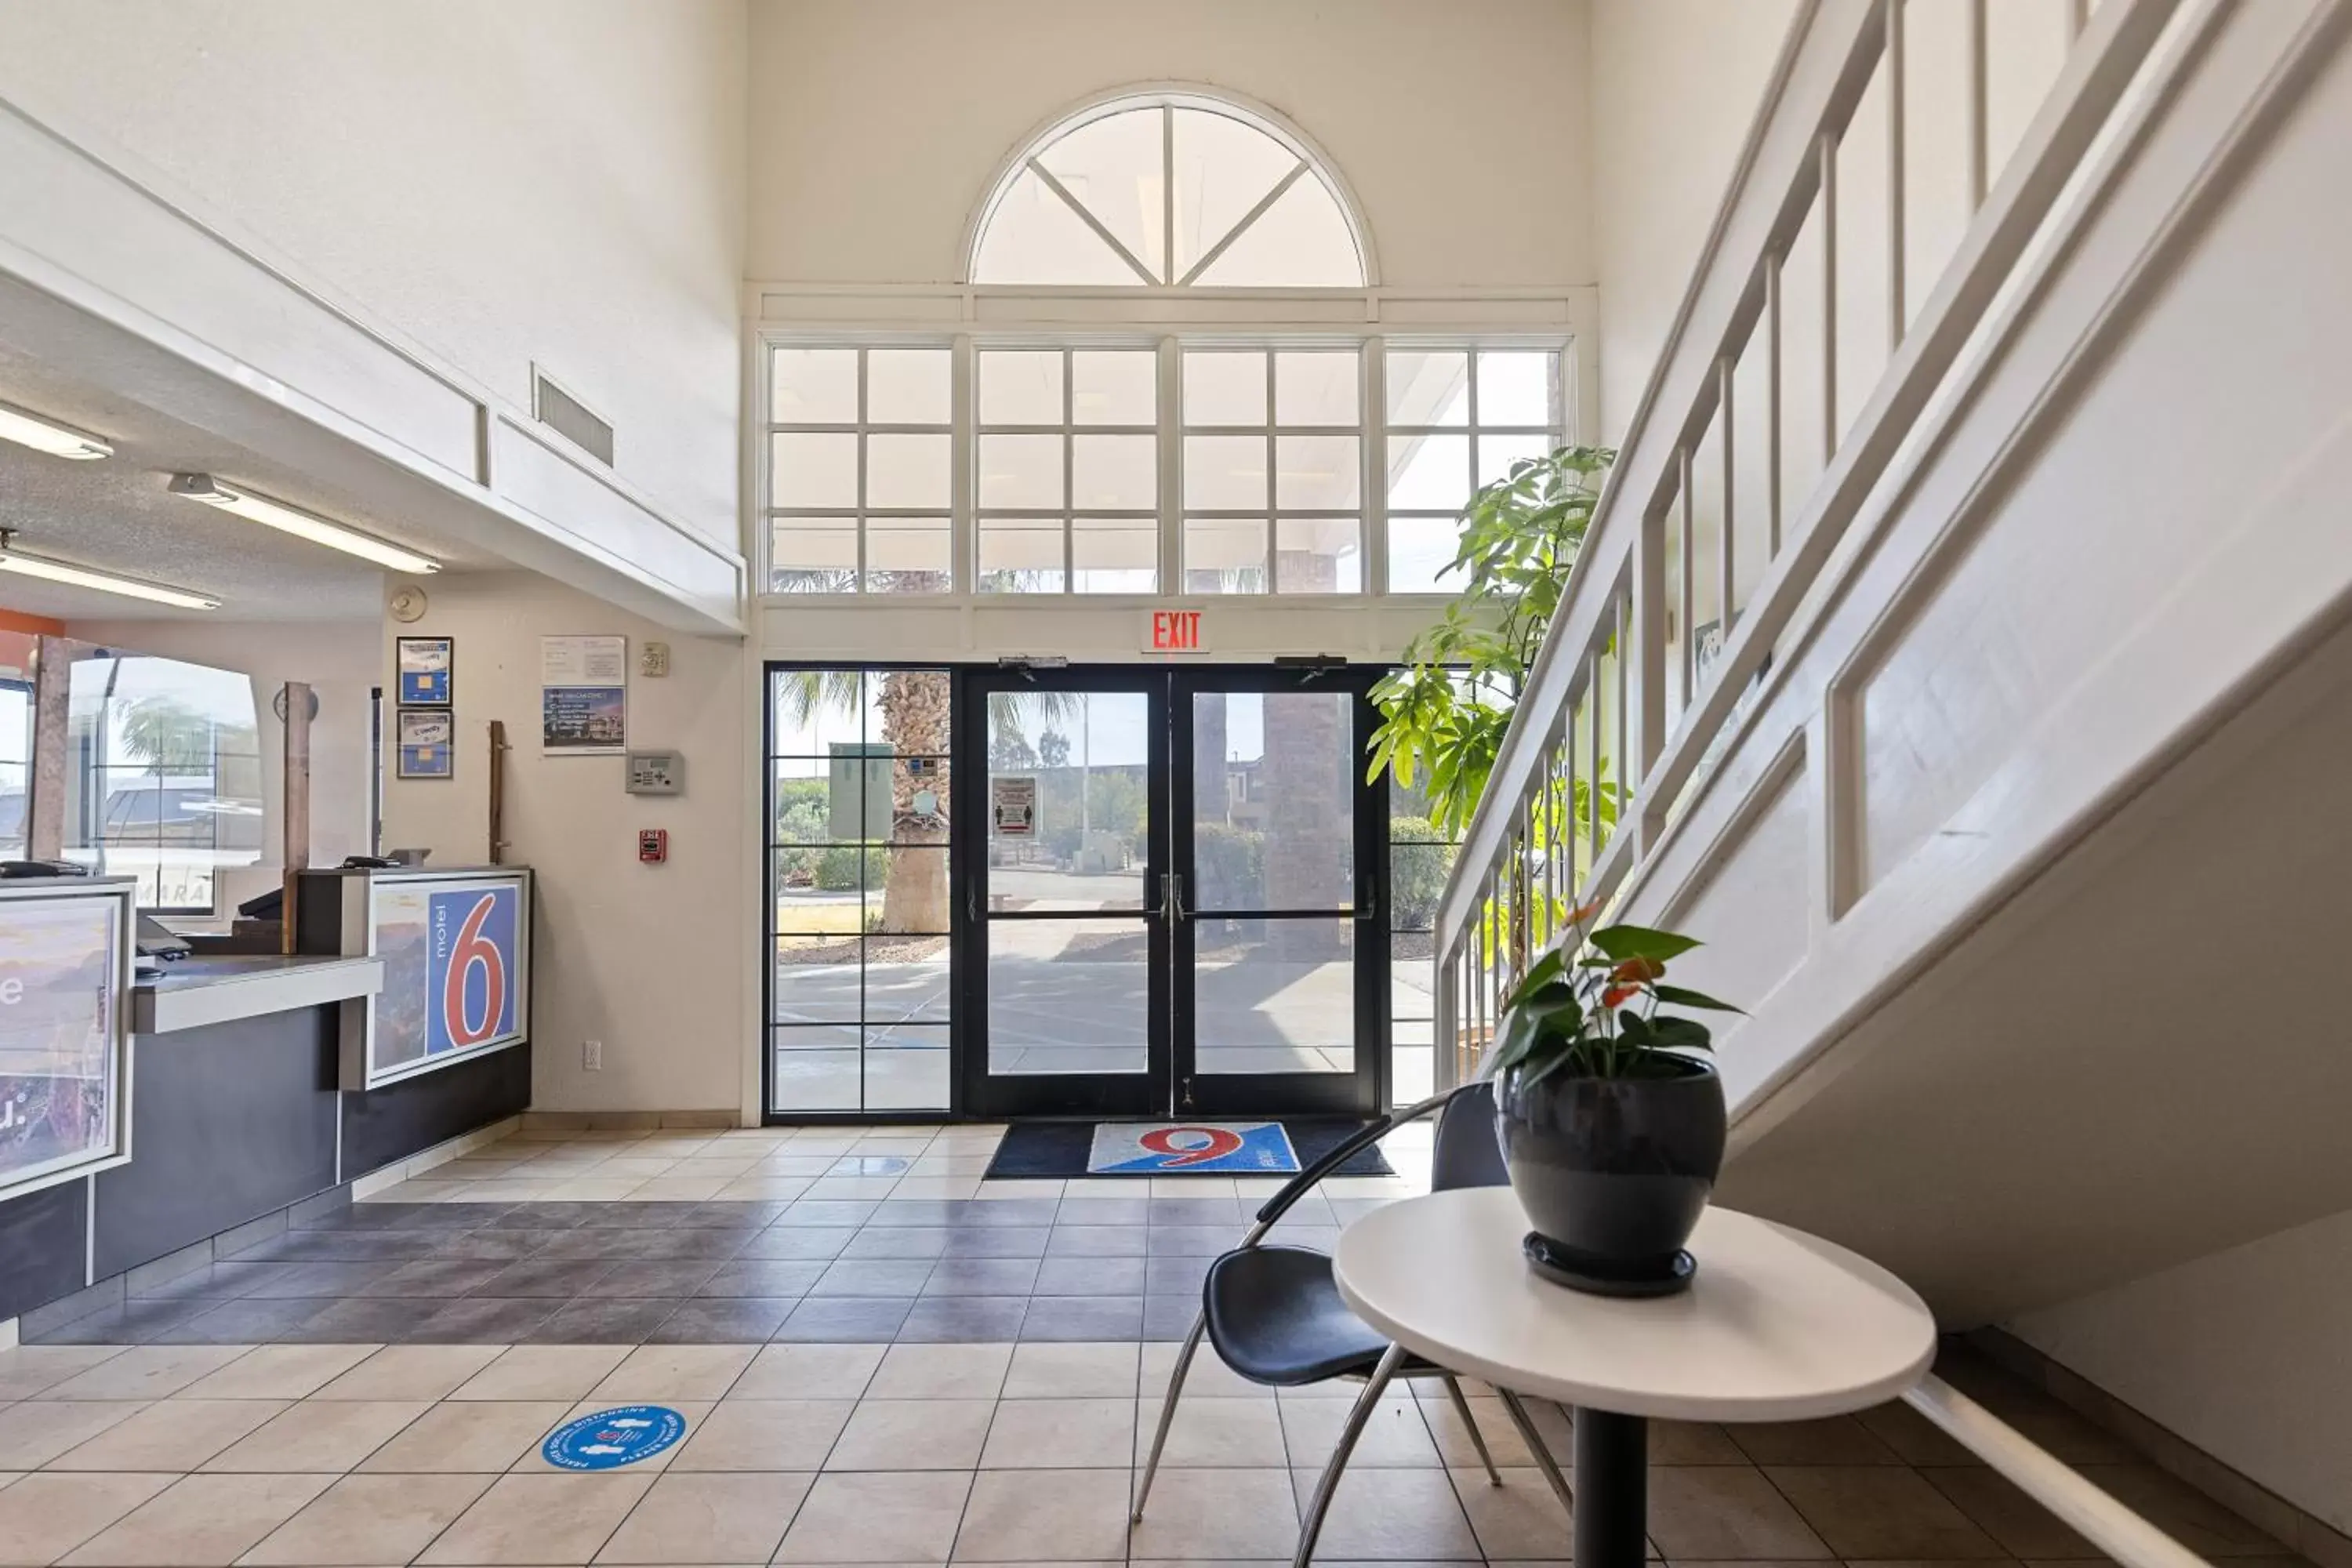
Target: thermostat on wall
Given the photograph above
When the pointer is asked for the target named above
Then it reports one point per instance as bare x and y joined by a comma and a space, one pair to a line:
656, 772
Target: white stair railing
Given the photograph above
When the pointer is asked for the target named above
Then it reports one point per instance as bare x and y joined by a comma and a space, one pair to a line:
1750, 455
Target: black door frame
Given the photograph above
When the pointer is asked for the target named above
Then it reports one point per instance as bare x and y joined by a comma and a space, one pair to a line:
1362, 1092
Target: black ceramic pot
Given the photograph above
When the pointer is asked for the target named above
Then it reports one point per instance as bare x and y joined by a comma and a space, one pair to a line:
1613, 1172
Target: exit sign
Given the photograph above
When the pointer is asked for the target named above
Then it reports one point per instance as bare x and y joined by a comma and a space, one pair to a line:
1173, 631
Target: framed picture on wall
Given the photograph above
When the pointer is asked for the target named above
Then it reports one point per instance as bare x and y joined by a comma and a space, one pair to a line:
425, 665
426, 749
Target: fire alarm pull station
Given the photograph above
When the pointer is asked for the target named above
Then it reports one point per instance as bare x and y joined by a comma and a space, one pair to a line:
652, 845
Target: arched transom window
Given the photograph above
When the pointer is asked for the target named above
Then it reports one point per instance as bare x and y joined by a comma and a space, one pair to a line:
1169, 190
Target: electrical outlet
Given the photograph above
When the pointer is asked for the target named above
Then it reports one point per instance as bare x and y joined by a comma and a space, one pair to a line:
591, 1054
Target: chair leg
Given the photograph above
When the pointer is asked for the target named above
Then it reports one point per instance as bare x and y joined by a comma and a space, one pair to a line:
1534, 1440
1470, 1422
1366, 1403
1168, 1412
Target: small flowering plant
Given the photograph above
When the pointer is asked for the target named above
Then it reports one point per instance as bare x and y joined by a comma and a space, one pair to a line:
1591, 1008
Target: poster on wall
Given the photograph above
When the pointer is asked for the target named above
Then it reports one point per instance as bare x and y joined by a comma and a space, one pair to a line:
583, 696
428, 745
1013, 805
424, 671
455, 981
60, 1059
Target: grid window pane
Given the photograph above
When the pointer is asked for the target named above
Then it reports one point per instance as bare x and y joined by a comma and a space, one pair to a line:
1515, 388
1315, 388
1429, 386
1497, 453
1115, 473
1429, 473
813, 555
908, 470
814, 469
1021, 554
1021, 470
813, 386
908, 386
1224, 555
1115, 555
1319, 555
1021, 386
909, 555
1225, 473
1318, 473
1114, 386
1419, 548
1225, 386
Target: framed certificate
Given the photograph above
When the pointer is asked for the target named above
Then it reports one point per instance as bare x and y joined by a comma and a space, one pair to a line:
424, 744
424, 670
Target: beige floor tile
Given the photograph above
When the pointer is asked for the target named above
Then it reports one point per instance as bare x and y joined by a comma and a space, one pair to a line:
927, 1186
1876, 1511
2173, 1506
664, 1374
1839, 1440
809, 1372
1520, 1520
1723, 1511
1217, 1515
1502, 1439
764, 1189
279, 1372
1916, 1439
1074, 1371
326, 1435
1395, 1436
198, 1520
1060, 1434
877, 1516
693, 1411
1216, 1434
146, 1372
586, 1190
27, 1370
913, 1434
364, 1520
709, 1519
1036, 1516
44, 1517
1380, 1515
765, 1434
1692, 1443
411, 1372
941, 1372
487, 1435
37, 1431
1207, 1378
174, 1434
543, 1371
544, 1518
2022, 1525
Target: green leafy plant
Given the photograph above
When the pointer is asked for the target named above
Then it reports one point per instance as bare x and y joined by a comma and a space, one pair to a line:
1444, 715
1592, 1006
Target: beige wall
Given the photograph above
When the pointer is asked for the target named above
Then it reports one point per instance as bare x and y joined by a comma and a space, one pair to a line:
654, 961
559, 181
877, 124
2239, 1352
340, 662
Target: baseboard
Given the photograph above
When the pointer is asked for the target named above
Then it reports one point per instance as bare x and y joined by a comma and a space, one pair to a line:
628, 1120
2312, 1537
424, 1160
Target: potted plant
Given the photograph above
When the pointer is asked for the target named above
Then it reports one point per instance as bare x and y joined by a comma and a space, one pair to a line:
1611, 1114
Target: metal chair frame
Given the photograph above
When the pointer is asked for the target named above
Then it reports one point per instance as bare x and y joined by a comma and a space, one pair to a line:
1395, 1363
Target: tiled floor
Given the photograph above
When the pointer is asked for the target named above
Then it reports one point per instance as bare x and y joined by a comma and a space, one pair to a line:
868, 1378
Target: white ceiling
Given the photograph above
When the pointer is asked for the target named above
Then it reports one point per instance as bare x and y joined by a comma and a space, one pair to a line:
117, 516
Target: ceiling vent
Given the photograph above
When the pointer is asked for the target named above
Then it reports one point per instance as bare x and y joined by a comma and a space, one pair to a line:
570, 418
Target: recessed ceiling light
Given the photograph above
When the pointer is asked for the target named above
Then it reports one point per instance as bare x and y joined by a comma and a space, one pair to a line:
48, 435
15, 560
301, 524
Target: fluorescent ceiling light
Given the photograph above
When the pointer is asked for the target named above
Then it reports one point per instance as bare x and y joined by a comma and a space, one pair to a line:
48, 435
15, 560
301, 524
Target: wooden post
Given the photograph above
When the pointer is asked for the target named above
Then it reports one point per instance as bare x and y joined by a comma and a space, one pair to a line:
45, 827
498, 792
296, 805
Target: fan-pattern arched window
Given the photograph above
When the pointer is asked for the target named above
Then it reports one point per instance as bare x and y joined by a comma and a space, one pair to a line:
1168, 191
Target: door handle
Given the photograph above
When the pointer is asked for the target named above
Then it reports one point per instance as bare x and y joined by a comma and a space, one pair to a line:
1368, 898
1172, 897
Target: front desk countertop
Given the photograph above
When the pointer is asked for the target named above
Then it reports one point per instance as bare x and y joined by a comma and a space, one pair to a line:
195, 991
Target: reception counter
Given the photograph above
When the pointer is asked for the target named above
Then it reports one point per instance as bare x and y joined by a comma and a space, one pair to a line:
141, 1118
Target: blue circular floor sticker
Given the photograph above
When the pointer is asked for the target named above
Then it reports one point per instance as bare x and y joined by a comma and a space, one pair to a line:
614, 1437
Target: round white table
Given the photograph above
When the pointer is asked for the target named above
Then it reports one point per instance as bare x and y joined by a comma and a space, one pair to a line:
1777, 1326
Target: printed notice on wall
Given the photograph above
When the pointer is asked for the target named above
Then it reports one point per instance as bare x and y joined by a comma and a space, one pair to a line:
1013, 805
583, 696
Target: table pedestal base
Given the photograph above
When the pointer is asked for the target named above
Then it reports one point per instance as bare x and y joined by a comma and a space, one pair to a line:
1612, 1497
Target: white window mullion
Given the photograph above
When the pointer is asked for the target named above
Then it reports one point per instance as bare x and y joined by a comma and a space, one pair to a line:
859, 585
1373, 406
963, 554
1170, 430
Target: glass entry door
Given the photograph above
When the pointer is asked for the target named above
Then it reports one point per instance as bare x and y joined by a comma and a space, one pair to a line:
1276, 973
1164, 907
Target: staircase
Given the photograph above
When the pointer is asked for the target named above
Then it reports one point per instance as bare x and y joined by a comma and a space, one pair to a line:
1967, 622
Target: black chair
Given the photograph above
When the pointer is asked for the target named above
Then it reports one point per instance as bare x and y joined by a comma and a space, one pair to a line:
1275, 1317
